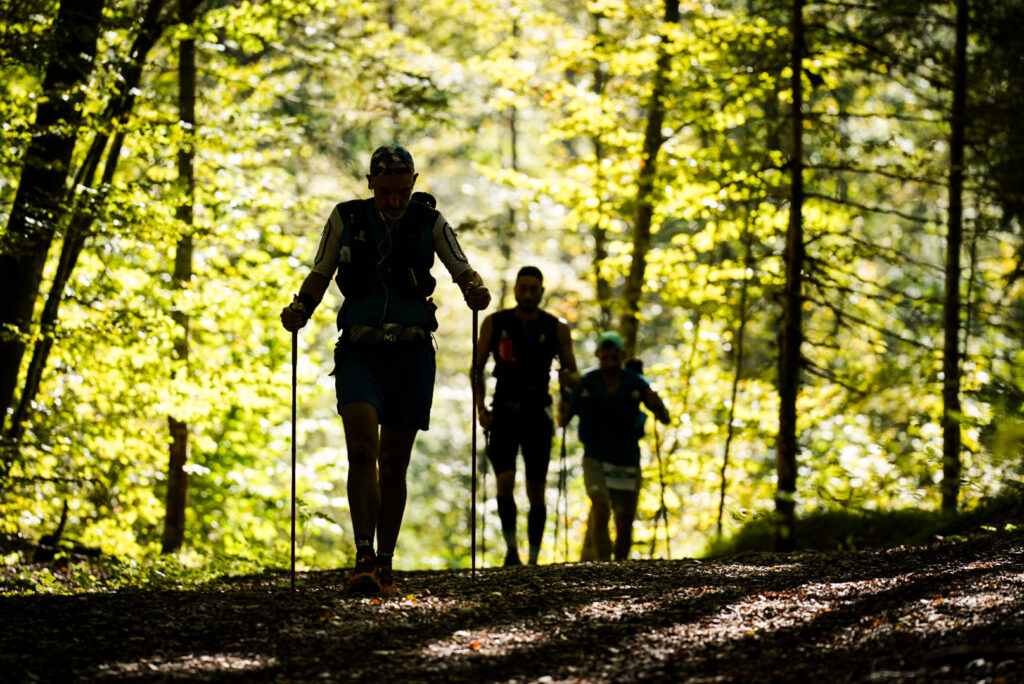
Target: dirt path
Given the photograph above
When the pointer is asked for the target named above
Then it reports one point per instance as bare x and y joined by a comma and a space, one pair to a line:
950, 612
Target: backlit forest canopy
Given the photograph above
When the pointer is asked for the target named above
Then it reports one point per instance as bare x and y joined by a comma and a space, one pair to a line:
155, 217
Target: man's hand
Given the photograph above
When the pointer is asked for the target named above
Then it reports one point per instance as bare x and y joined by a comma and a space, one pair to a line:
473, 289
658, 408
486, 418
478, 298
568, 379
293, 316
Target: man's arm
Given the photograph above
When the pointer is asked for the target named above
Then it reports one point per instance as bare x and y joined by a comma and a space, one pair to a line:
295, 315
568, 373
447, 248
657, 407
568, 406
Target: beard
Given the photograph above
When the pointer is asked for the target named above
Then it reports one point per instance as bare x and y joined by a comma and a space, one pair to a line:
527, 305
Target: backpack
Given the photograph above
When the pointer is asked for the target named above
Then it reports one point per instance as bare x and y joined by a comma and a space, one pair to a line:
620, 410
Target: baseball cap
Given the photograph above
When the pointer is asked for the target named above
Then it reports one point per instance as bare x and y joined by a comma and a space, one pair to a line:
391, 160
610, 339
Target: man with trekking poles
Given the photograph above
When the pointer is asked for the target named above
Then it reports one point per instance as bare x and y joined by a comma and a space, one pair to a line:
524, 341
379, 251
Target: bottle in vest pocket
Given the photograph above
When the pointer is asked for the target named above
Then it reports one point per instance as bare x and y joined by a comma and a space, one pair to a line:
506, 350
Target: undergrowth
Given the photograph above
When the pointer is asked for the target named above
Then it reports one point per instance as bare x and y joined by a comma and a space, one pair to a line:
852, 529
823, 531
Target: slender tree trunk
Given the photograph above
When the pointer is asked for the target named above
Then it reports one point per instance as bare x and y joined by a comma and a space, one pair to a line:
78, 231
84, 207
641, 222
177, 478
602, 288
954, 242
792, 324
645, 188
505, 237
741, 327
37, 208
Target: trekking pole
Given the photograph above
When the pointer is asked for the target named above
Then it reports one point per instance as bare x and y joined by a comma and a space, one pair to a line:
558, 511
483, 495
472, 512
295, 358
662, 511
563, 494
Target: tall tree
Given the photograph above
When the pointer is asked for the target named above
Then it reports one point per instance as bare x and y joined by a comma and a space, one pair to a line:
599, 227
645, 201
737, 356
177, 479
792, 325
951, 434
34, 218
84, 203
83, 214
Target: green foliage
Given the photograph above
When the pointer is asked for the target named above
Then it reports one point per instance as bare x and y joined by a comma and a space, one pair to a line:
293, 95
68, 575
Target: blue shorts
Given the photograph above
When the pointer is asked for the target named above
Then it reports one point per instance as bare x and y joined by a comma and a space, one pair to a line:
397, 379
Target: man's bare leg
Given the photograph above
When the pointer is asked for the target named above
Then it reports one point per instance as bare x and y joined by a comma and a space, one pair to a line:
363, 442
600, 512
536, 518
625, 513
395, 451
506, 482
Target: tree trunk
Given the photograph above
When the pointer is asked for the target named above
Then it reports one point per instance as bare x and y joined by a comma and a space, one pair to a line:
641, 221
78, 231
84, 206
177, 478
645, 188
954, 241
792, 323
741, 328
602, 288
37, 207
505, 237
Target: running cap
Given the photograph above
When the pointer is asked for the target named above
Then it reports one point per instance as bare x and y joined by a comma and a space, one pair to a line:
610, 339
391, 160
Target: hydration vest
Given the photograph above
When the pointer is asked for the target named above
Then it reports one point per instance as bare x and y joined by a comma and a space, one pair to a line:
522, 365
405, 270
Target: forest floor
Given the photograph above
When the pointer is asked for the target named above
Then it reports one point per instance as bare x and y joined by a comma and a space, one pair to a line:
952, 611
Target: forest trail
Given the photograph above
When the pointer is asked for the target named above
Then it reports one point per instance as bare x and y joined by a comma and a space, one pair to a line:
947, 612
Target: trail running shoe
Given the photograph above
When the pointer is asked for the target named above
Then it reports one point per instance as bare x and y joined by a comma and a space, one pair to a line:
363, 580
385, 579
512, 558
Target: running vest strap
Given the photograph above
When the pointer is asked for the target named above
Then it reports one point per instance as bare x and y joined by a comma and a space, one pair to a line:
406, 269
522, 357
